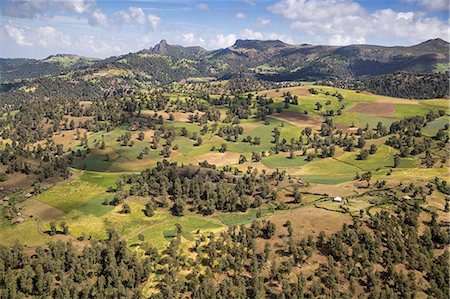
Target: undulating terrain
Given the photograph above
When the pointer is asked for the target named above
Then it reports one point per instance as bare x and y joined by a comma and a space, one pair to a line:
263, 170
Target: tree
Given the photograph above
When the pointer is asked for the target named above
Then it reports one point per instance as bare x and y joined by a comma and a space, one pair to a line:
125, 209
179, 229
64, 227
363, 154
53, 228
178, 207
297, 195
149, 210
396, 161
367, 176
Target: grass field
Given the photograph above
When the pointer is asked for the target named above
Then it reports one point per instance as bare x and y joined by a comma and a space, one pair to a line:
79, 201
69, 196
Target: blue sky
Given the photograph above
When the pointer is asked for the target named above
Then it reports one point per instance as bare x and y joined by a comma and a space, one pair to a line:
96, 28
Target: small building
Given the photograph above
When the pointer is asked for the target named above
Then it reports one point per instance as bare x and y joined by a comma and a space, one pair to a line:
337, 199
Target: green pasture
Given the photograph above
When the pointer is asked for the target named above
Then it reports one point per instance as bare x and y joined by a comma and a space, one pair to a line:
282, 160
71, 195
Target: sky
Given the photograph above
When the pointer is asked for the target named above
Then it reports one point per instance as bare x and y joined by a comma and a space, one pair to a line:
97, 28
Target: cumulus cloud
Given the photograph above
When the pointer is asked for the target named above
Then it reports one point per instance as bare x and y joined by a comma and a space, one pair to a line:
191, 39
222, 41
240, 15
203, 6
93, 44
250, 34
50, 36
344, 22
263, 22
17, 35
31, 9
137, 15
133, 14
154, 21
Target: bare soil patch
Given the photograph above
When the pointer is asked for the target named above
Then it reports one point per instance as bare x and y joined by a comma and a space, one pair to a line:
298, 119
310, 220
344, 189
378, 109
41, 211
18, 180
219, 159
296, 90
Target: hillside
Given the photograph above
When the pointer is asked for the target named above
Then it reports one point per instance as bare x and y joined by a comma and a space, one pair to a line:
271, 59
19, 68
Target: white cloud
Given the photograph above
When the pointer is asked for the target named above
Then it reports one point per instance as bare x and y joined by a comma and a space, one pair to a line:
263, 22
144, 41
188, 37
98, 18
154, 21
50, 36
250, 34
282, 37
203, 6
137, 15
344, 22
191, 39
222, 41
17, 34
133, 14
95, 45
240, 15
31, 9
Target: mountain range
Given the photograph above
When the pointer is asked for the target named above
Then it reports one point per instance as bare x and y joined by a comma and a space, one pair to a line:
269, 59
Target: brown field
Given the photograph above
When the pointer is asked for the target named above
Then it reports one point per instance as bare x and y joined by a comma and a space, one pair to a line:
41, 211
296, 90
344, 189
378, 109
18, 181
219, 159
309, 220
298, 119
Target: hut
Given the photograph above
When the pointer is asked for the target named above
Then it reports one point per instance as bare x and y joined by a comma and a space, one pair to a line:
337, 199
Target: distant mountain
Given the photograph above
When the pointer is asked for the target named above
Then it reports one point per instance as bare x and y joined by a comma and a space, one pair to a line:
12, 69
163, 48
164, 63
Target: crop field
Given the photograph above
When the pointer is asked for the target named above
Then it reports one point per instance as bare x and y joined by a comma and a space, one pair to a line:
79, 202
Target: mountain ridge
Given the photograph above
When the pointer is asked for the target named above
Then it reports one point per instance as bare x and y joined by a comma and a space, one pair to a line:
265, 59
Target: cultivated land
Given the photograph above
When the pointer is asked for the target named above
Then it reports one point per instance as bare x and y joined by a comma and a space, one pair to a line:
79, 201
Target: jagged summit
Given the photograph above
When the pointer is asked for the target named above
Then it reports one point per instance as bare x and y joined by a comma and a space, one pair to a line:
163, 48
